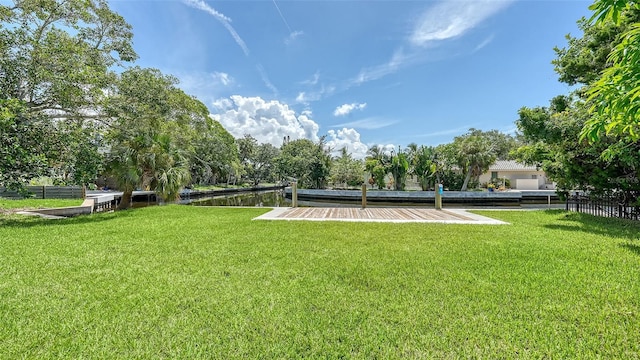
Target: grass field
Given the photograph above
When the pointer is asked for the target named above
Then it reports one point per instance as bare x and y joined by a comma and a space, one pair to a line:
195, 282
10, 204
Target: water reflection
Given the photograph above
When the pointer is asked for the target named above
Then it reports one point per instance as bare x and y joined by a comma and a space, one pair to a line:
260, 198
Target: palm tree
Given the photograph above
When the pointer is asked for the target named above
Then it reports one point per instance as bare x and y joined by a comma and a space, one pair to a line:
150, 132
424, 166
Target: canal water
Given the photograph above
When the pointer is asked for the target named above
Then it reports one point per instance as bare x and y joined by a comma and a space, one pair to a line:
277, 198
259, 198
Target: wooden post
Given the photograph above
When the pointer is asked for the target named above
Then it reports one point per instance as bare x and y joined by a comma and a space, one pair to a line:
294, 194
438, 191
364, 195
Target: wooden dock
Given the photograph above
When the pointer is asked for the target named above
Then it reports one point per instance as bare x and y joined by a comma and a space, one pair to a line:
398, 215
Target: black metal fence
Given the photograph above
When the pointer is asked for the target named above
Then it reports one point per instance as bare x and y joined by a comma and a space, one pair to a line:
621, 205
46, 192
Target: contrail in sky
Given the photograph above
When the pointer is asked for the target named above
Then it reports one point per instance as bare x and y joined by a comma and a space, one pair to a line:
225, 21
282, 16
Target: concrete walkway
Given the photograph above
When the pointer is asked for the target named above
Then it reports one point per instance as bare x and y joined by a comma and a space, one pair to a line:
393, 215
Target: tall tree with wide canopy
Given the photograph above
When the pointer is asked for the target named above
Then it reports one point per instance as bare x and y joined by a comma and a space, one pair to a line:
476, 150
56, 58
215, 152
256, 159
150, 128
616, 94
607, 159
306, 161
24, 145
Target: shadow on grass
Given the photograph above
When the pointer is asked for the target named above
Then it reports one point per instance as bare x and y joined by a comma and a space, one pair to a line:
633, 247
610, 227
26, 221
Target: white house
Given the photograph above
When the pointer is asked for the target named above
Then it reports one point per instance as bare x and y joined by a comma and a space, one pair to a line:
520, 176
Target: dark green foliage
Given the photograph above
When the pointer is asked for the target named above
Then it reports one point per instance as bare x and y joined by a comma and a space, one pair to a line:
616, 94
56, 59
24, 145
346, 171
215, 153
256, 159
307, 162
150, 132
560, 138
473, 153
553, 142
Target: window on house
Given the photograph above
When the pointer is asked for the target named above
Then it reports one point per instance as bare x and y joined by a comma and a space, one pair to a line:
494, 174
534, 176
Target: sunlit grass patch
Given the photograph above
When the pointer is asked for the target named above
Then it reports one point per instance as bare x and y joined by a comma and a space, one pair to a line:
23, 204
184, 282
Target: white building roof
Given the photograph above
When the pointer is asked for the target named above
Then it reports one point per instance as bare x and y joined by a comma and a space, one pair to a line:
511, 165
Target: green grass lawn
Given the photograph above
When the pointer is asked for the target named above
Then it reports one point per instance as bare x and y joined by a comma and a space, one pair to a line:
11, 204
196, 282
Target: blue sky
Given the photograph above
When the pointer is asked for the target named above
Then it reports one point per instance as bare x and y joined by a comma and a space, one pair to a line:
360, 72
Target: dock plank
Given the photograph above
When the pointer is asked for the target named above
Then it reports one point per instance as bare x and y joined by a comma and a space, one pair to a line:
378, 215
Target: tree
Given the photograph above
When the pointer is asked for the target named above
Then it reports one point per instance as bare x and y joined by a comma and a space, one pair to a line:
346, 171
306, 161
551, 142
424, 165
56, 59
257, 159
57, 56
398, 166
215, 151
151, 127
261, 165
24, 145
448, 171
375, 165
75, 158
246, 148
616, 94
475, 151
556, 137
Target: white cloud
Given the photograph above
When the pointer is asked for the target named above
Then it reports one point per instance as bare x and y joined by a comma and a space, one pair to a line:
398, 59
225, 21
388, 148
457, 131
292, 36
305, 97
446, 20
370, 123
207, 86
349, 139
451, 19
313, 80
346, 109
223, 104
267, 121
222, 78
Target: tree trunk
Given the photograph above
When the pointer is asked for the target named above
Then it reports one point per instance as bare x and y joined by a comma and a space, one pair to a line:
466, 179
125, 201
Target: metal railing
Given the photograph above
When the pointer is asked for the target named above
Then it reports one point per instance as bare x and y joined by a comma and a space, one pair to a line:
623, 205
